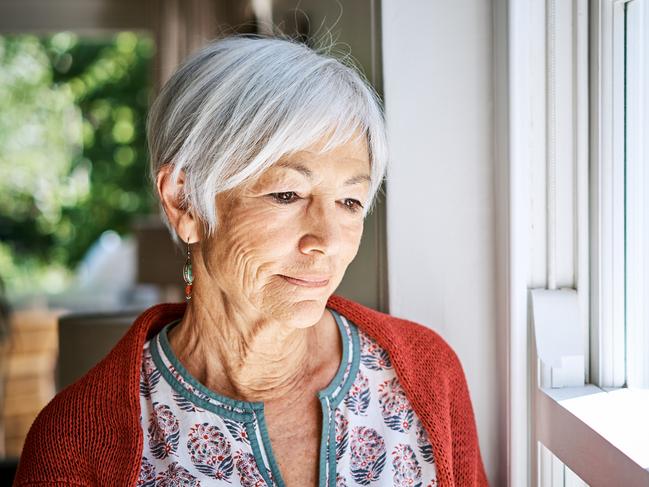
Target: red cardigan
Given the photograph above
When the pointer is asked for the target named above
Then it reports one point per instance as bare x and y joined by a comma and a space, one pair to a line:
90, 433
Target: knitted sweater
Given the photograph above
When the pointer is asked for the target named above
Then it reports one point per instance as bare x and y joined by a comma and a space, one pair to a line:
90, 433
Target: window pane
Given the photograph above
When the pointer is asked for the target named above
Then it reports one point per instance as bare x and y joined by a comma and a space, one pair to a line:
637, 191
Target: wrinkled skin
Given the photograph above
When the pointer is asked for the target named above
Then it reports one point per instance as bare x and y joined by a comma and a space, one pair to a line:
249, 333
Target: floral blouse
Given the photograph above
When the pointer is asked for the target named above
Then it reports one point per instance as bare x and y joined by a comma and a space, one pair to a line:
194, 436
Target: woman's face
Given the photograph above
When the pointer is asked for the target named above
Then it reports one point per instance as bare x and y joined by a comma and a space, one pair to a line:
301, 218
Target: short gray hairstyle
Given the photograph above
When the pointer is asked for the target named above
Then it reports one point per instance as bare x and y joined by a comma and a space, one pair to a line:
241, 103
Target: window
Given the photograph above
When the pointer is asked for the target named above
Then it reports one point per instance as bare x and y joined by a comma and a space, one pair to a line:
604, 422
620, 186
636, 205
578, 228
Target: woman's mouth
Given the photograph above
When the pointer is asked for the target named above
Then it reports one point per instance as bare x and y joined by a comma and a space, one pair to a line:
307, 281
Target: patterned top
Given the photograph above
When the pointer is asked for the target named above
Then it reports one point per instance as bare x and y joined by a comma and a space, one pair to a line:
194, 436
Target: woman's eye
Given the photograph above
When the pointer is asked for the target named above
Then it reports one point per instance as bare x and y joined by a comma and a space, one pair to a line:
287, 197
282, 197
355, 205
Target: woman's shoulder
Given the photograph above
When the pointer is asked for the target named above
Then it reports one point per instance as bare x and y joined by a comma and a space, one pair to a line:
84, 420
430, 372
413, 342
62, 440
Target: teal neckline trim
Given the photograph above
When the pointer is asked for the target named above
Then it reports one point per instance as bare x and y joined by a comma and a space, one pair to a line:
325, 453
329, 398
180, 389
335, 397
249, 406
338, 378
254, 406
259, 459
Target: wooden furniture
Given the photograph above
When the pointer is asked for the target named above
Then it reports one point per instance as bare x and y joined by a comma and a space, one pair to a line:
28, 372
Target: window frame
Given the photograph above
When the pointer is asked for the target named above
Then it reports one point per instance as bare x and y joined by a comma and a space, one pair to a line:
637, 194
536, 68
607, 360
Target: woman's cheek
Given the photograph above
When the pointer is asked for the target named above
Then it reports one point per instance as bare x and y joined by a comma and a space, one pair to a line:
255, 251
354, 233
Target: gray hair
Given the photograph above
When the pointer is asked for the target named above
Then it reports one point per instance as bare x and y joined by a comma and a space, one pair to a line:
241, 103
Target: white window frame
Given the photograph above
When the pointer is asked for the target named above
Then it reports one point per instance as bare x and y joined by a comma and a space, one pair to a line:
542, 211
607, 198
637, 197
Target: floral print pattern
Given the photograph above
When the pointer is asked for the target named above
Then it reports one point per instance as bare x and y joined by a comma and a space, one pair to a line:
373, 356
248, 471
340, 481
176, 476
358, 397
368, 455
237, 430
194, 437
180, 399
147, 474
342, 435
407, 472
163, 431
150, 376
423, 443
395, 406
209, 451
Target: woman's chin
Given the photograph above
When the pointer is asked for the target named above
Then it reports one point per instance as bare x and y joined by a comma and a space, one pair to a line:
302, 312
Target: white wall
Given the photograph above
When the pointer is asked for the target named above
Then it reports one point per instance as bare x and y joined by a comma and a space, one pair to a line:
438, 70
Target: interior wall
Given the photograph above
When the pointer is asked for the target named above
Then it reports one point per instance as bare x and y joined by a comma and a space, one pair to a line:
348, 28
438, 87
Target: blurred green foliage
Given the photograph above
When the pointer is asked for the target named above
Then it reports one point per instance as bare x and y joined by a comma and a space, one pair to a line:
72, 149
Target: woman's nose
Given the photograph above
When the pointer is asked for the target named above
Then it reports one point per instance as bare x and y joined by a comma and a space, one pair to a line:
321, 228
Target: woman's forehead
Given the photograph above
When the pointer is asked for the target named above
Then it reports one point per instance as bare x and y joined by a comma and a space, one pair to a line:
350, 159
354, 150
356, 143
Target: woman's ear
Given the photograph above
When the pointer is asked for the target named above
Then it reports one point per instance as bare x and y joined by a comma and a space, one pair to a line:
180, 216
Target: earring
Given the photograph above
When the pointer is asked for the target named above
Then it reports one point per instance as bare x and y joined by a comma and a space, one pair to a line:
188, 275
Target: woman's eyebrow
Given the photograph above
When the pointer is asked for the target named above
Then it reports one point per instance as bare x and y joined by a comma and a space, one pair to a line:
359, 178
305, 171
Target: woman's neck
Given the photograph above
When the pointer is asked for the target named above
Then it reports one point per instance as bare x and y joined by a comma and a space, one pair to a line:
251, 357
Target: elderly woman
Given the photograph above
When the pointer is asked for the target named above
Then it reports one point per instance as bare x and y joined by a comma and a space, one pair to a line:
267, 157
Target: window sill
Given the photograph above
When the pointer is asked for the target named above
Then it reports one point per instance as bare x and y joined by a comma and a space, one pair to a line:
601, 435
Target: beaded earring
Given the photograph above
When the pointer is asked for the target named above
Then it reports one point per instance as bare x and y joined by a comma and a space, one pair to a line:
188, 274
